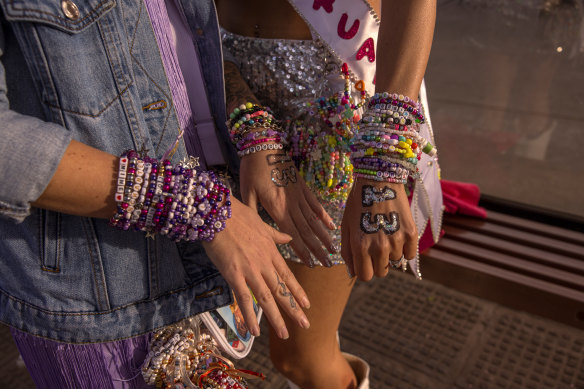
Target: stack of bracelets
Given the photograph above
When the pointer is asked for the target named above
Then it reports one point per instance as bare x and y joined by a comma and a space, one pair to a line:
387, 145
253, 128
321, 153
183, 356
155, 197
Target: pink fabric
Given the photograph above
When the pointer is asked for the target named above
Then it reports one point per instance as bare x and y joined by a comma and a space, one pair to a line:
426, 240
462, 198
459, 198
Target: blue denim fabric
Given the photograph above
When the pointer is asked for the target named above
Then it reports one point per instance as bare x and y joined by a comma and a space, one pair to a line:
98, 79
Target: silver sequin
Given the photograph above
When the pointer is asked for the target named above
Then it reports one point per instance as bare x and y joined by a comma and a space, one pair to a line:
286, 74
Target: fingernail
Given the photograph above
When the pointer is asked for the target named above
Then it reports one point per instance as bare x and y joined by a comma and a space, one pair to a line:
305, 303
304, 323
332, 225
255, 331
284, 333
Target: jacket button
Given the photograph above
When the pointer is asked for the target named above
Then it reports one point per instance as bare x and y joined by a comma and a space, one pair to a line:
70, 9
199, 32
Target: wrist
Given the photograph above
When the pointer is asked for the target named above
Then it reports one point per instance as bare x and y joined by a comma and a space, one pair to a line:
157, 198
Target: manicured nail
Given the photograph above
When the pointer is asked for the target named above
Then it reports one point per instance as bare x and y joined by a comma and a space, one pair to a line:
304, 323
284, 333
305, 303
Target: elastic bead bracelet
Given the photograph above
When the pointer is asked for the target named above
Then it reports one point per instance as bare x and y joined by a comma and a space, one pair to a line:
250, 125
176, 201
258, 148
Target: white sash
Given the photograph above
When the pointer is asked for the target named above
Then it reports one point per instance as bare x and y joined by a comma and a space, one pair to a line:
349, 28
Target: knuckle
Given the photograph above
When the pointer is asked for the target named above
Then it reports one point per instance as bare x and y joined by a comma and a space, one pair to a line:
271, 202
265, 297
286, 275
244, 299
305, 233
410, 232
383, 245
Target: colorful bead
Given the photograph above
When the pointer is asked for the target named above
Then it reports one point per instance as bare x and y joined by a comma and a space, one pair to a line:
159, 198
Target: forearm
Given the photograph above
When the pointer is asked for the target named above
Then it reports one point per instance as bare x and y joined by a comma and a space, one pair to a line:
403, 45
237, 91
83, 184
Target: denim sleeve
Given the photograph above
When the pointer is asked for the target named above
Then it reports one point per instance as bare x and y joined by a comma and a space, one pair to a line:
30, 151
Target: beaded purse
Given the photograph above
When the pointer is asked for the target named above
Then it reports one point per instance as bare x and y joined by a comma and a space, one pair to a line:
189, 355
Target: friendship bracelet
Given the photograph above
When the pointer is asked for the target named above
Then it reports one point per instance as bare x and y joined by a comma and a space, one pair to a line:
381, 179
251, 124
156, 197
258, 148
262, 140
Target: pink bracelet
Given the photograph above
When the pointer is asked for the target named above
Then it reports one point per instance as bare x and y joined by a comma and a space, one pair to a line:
258, 141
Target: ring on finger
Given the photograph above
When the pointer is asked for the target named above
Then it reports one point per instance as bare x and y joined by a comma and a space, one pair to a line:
400, 263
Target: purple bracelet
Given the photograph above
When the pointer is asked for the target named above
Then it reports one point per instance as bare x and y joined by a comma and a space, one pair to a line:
178, 201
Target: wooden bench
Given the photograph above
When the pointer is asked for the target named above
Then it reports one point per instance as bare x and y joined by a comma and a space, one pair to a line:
516, 262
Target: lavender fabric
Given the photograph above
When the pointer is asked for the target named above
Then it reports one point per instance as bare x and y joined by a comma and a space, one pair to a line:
190, 67
162, 29
111, 365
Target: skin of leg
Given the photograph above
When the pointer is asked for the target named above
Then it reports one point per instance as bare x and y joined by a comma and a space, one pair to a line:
311, 358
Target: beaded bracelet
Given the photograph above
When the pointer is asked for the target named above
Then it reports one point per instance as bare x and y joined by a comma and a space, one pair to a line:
258, 148
382, 179
185, 355
251, 124
389, 134
397, 104
179, 202
260, 141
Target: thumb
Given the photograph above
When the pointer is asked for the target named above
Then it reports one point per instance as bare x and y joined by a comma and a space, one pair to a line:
277, 236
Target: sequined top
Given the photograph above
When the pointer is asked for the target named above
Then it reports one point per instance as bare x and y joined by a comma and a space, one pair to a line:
286, 73
289, 73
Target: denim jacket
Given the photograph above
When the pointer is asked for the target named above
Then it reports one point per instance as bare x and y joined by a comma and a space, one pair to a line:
90, 70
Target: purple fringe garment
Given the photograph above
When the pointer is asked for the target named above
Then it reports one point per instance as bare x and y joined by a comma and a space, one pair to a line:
111, 365
162, 30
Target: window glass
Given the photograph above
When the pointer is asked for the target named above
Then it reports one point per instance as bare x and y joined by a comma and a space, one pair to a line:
506, 92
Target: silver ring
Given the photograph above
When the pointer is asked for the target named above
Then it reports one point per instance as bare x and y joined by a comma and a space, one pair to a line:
397, 264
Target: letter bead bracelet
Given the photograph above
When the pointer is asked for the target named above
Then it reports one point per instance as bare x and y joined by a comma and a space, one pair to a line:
177, 201
388, 133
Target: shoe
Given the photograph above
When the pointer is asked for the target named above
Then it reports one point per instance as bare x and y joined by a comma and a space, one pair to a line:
361, 369
292, 385
359, 366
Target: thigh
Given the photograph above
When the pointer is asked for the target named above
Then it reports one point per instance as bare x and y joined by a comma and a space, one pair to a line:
328, 290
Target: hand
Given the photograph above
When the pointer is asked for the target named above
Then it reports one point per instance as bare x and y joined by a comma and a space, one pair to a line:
246, 255
377, 228
271, 177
